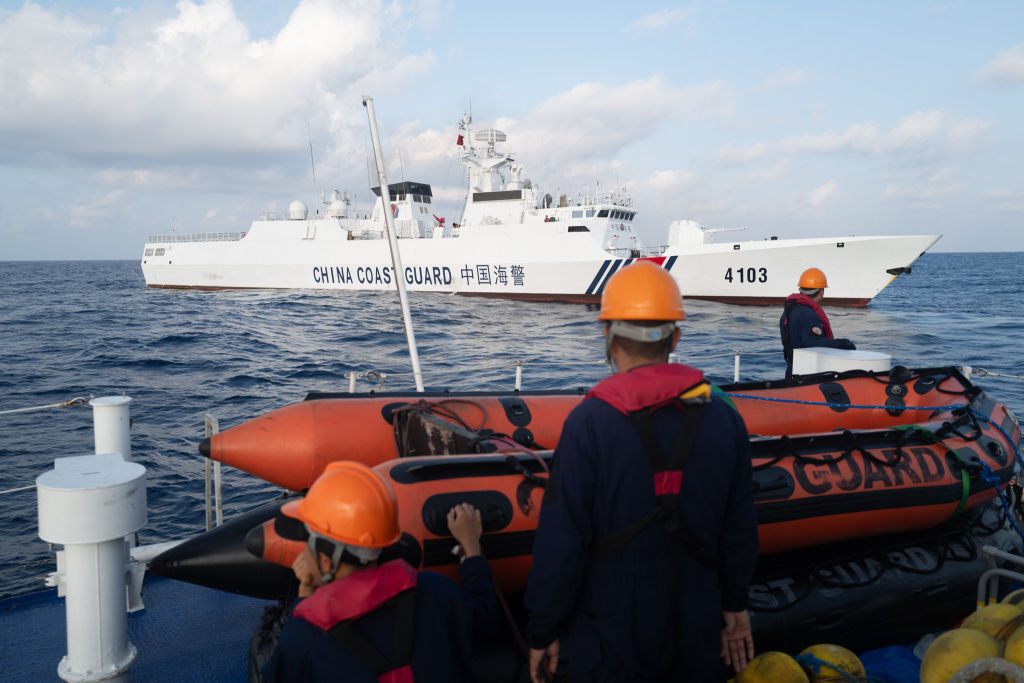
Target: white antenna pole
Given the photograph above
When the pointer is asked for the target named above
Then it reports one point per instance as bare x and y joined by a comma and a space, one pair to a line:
309, 135
396, 260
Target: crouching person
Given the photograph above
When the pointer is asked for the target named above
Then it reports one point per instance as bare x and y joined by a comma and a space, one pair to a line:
358, 620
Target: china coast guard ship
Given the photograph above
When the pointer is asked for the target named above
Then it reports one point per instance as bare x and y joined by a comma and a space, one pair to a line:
513, 241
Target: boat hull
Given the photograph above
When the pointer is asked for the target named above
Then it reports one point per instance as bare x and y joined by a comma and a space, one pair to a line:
506, 262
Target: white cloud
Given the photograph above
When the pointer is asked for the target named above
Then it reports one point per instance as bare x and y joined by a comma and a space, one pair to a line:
572, 140
921, 134
1010, 201
85, 211
784, 79
672, 179
662, 18
1007, 68
597, 120
823, 194
191, 85
769, 173
924, 190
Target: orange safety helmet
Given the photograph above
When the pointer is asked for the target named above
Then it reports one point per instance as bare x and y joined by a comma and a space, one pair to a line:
812, 278
642, 291
349, 503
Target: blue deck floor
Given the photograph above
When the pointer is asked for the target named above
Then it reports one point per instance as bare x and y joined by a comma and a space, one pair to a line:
191, 633
186, 633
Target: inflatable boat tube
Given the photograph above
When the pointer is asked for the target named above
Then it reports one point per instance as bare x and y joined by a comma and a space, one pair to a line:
290, 446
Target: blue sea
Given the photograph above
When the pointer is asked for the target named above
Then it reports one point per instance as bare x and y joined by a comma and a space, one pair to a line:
92, 328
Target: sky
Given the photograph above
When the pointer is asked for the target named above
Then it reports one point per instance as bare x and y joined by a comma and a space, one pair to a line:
120, 120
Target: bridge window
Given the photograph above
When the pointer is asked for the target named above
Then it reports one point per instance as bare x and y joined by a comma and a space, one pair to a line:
578, 228
603, 213
577, 214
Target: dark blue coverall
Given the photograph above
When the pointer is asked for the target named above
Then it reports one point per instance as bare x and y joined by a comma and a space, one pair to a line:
610, 613
447, 618
806, 330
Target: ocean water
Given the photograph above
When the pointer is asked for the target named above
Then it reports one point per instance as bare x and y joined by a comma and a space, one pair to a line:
92, 328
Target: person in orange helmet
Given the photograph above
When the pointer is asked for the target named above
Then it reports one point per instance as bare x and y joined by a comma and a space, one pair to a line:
358, 620
803, 323
647, 537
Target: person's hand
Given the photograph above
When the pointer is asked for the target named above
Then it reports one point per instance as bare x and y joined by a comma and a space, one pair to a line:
466, 527
307, 572
737, 640
543, 663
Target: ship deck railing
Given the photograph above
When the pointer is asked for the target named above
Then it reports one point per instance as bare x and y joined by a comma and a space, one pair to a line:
196, 237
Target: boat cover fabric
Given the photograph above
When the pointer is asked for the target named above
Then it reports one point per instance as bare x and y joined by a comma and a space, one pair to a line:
610, 612
448, 621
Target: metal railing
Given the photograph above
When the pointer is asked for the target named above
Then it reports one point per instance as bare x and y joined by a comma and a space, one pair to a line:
196, 237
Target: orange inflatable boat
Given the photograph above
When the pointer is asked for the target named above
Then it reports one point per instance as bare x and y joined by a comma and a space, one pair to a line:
290, 446
930, 447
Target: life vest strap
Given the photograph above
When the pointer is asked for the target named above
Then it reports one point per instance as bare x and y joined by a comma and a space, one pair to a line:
668, 480
397, 671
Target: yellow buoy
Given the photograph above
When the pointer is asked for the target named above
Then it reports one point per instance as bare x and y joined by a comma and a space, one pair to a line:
953, 649
833, 660
772, 667
998, 620
1014, 650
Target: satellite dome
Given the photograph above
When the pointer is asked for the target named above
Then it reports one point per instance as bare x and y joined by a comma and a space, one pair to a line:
337, 209
297, 210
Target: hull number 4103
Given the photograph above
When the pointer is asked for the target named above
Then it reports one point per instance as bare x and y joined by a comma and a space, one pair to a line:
746, 275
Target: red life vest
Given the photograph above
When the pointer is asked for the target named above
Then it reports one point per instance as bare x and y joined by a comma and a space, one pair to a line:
333, 607
646, 386
805, 300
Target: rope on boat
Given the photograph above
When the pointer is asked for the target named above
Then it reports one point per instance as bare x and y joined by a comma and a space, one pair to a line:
990, 665
20, 488
741, 352
78, 402
19, 568
809, 661
982, 372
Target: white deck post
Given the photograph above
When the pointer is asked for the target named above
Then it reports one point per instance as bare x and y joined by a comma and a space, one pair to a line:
111, 425
89, 504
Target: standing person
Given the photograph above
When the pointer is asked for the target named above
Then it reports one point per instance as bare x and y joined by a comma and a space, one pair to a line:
803, 323
359, 621
647, 537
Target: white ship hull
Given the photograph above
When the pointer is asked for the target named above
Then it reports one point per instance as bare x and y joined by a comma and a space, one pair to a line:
505, 262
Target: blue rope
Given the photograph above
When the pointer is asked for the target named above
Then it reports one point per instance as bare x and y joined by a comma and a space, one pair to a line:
989, 477
1016, 451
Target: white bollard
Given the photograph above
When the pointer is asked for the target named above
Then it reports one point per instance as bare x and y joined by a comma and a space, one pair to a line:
111, 425
89, 503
